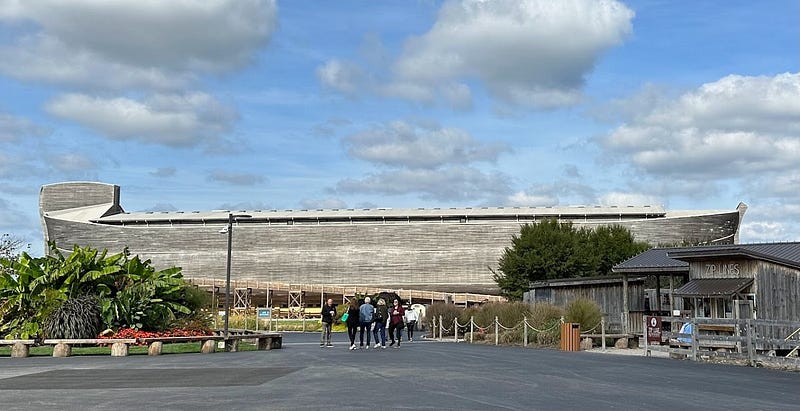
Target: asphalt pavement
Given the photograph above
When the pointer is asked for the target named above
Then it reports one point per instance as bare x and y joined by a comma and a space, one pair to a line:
419, 375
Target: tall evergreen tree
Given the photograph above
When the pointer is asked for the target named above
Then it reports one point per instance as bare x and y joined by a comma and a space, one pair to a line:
550, 250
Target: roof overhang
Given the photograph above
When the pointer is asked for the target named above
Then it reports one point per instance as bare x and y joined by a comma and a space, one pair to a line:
713, 287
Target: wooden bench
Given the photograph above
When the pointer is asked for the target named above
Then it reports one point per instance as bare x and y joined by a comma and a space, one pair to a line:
264, 341
19, 348
62, 347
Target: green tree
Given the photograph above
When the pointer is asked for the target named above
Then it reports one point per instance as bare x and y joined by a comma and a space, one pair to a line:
612, 245
551, 250
542, 251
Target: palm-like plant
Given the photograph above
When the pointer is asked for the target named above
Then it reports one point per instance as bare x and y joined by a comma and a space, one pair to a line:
129, 291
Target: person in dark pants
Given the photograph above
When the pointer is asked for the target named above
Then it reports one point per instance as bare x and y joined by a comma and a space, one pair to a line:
352, 322
411, 322
367, 312
381, 318
328, 315
396, 314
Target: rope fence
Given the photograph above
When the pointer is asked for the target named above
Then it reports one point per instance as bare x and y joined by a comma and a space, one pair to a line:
439, 330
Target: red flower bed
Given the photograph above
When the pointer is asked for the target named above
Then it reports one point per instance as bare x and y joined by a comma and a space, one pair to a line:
176, 332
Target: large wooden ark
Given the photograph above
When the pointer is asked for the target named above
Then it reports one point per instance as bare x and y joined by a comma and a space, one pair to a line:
448, 249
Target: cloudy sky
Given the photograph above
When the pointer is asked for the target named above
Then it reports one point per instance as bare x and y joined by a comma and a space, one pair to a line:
245, 104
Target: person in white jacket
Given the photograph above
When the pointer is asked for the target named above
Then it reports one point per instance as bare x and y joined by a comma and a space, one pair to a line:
411, 322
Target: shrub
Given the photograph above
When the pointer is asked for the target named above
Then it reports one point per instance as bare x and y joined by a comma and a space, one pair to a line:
584, 311
448, 312
77, 317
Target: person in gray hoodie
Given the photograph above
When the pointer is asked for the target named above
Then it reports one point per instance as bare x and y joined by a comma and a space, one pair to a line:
366, 313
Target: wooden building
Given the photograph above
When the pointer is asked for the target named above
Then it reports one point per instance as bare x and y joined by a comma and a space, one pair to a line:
732, 281
621, 298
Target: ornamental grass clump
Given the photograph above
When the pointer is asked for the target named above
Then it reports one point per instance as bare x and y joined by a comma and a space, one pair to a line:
76, 318
584, 311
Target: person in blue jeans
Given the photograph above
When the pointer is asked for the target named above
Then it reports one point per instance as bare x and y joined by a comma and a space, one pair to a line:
379, 321
365, 314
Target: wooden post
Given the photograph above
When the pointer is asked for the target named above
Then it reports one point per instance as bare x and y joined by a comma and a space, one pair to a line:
471, 328
644, 334
625, 304
671, 296
603, 332
496, 331
695, 343
658, 295
524, 331
750, 346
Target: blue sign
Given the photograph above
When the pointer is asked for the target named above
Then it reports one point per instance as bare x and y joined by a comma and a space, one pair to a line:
264, 313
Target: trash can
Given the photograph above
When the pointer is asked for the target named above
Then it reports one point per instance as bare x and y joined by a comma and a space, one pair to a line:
571, 337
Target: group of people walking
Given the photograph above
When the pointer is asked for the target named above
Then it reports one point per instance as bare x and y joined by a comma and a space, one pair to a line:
372, 320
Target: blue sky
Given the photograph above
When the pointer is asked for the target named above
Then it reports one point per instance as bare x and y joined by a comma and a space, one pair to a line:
244, 104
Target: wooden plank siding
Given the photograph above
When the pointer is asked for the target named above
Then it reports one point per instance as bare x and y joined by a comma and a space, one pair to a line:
776, 288
609, 296
424, 251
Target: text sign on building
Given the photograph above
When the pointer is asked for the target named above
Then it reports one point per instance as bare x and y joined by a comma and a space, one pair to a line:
654, 329
264, 313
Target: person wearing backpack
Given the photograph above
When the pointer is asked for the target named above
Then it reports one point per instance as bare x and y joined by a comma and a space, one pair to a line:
366, 314
381, 317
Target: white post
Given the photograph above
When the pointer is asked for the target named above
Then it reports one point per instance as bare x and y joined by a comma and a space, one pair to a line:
603, 332
441, 327
455, 329
433, 328
471, 328
496, 331
644, 332
525, 331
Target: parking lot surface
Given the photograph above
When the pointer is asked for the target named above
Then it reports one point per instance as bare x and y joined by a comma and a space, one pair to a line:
419, 375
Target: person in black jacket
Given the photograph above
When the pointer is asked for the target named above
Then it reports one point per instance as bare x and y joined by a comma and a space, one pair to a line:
380, 320
328, 315
352, 322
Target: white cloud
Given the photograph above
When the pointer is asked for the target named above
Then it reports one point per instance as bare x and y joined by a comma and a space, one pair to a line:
450, 183
239, 179
628, 199
402, 144
521, 198
134, 43
71, 163
341, 76
173, 120
533, 53
163, 172
732, 127
764, 231
128, 65
13, 128
328, 203
12, 218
